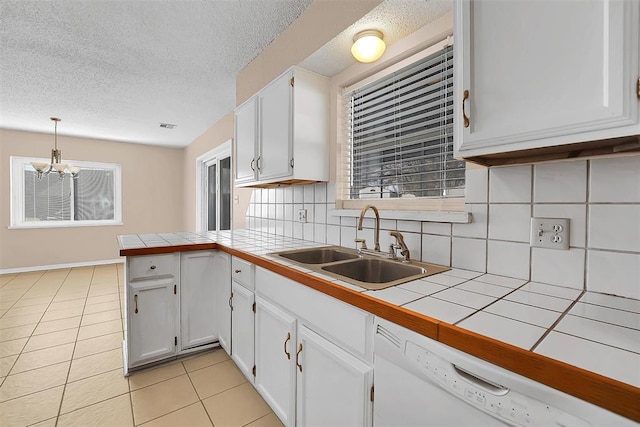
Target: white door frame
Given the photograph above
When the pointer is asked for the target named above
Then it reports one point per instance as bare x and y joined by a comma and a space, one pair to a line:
220, 152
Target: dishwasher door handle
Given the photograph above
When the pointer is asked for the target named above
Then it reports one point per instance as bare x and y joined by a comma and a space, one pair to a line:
490, 387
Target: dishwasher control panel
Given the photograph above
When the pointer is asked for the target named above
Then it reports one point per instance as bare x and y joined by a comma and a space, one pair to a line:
503, 403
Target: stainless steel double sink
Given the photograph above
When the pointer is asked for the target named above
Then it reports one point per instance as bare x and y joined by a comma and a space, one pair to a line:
369, 272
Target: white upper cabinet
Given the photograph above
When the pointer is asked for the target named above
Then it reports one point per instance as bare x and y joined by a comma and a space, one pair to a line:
533, 74
246, 141
282, 132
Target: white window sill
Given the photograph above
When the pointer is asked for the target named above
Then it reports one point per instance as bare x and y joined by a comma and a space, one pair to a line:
66, 225
426, 216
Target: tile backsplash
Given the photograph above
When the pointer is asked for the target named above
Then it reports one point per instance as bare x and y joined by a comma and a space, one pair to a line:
601, 197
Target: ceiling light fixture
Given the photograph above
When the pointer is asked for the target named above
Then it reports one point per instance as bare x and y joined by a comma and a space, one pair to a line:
56, 160
368, 46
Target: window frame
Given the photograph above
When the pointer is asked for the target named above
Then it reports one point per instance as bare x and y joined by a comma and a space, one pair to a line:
343, 202
17, 190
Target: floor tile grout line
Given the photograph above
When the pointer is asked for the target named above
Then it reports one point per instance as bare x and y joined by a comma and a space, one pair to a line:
70, 364
37, 391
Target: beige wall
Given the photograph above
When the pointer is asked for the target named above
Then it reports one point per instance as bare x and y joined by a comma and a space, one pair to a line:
319, 24
152, 182
217, 134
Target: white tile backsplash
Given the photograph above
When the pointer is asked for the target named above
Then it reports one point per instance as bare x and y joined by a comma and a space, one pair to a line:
510, 184
613, 273
560, 182
614, 227
436, 249
476, 185
508, 259
608, 222
577, 214
615, 180
558, 267
510, 222
478, 225
469, 254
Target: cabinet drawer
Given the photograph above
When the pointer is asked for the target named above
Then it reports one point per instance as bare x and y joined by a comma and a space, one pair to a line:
243, 272
149, 266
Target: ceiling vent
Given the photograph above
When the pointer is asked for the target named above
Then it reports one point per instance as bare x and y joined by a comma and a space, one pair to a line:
167, 125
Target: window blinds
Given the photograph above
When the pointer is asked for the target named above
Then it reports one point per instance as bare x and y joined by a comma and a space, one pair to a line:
94, 196
400, 133
46, 199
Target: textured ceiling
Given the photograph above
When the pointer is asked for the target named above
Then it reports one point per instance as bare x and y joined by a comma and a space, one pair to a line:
395, 18
116, 69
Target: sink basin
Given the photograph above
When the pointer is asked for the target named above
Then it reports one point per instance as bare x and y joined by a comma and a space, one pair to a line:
375, 270
318, 255
366, 271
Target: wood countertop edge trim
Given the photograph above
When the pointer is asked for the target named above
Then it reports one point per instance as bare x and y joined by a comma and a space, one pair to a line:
602, 391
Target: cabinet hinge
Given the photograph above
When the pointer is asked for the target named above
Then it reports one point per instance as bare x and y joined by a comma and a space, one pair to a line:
253, 307
292, 81
253, 370
175, 289
291, 163
371, 394
175, 340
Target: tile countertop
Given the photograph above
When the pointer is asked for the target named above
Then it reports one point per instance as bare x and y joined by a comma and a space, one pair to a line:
597, 333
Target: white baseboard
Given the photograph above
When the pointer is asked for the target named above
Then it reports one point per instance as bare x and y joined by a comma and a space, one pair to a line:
56, 266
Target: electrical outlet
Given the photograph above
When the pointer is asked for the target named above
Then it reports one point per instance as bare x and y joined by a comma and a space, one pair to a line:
302, 215
550, 233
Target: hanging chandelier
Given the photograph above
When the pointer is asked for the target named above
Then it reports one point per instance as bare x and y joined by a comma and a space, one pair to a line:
56, 164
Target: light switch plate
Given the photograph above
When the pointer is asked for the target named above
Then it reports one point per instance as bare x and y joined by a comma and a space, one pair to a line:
550, 233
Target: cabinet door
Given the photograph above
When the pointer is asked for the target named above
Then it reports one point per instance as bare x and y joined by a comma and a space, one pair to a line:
333, 387
276, 128
275, 359
152, 320
222, 283
242, 324
197, 299
246, 134
543, 73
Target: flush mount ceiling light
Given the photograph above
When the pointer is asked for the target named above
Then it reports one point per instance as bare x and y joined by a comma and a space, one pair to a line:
56, 160
368, 46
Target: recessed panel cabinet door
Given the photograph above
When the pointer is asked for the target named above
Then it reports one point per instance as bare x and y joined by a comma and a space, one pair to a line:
333, 387
246, 134
222, 283
242, 324
276, 144
152, 320
541, 73
275, 359
197, 298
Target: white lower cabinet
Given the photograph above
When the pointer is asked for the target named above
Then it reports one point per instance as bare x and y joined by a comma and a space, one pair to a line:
333, 387
172, 303
242, 335
303, 369
275, 359
197, 299
222, 266
152, 320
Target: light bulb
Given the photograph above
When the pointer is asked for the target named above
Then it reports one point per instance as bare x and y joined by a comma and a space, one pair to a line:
368, 46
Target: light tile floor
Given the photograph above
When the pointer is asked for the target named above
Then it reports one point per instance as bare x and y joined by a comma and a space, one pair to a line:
61, 362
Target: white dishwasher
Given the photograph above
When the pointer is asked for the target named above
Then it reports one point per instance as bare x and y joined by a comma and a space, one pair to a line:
421, 382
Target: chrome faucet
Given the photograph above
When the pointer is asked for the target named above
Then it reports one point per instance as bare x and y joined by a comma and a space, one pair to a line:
400, 244
376, 245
